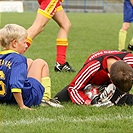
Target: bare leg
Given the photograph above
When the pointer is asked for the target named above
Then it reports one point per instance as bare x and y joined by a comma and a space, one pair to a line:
37, 26
38, 69
125, 26
64, 23
29, 62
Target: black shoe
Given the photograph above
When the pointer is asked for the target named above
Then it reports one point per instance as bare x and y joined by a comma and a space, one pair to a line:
95, 100
63, 68
130, 47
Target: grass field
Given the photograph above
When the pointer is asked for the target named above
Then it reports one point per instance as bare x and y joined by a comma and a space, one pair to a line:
89, 33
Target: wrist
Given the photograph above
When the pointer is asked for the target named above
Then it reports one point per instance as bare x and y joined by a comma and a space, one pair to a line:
87, 102
22, 106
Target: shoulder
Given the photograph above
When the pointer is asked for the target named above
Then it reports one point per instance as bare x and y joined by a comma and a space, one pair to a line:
128, 57
18, 56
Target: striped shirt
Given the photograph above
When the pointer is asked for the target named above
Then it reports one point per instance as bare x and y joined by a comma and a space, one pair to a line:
94, 71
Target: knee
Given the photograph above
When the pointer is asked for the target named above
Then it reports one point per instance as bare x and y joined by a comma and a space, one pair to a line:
125, 26
66, 26
40, 61
69, 25
29, 60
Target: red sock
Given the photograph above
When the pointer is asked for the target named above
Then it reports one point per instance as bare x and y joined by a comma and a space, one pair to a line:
61, 48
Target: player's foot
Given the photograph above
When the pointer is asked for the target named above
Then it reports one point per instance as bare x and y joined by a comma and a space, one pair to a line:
52, 102
63, 68
130, 47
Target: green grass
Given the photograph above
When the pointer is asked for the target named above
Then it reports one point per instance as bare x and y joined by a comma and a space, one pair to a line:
90, 32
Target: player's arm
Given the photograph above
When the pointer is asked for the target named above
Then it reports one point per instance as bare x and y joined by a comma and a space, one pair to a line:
19, 100
84, 76
129, 59
131, 1
18, 82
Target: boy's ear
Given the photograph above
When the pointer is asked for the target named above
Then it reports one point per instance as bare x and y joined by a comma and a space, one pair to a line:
13, 43
109, 74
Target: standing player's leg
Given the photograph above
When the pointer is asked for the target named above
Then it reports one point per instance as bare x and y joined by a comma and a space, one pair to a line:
47, 10
127, 19
130, 46
123, 35
62, 40
37, 27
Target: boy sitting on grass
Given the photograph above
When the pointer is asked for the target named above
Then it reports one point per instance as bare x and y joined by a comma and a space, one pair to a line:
22, 81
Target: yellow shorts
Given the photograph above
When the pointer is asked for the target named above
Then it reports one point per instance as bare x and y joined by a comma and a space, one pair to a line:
48, 8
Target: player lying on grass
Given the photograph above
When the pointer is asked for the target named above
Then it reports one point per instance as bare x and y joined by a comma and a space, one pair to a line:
22, 81
102, 67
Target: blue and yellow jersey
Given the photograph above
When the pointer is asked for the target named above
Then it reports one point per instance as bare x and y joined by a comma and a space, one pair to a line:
13, 78
13, 73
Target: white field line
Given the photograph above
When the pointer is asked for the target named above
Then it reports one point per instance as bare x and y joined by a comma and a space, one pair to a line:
65, 119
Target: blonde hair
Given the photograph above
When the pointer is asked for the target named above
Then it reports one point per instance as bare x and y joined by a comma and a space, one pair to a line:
10, 32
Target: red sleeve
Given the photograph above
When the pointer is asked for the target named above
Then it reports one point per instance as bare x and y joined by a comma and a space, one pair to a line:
129, 59
77, 85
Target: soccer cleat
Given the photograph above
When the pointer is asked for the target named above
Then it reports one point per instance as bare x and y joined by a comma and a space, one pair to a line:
63, 68
130, 47
52, 102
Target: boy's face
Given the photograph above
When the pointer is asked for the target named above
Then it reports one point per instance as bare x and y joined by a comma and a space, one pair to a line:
21, 45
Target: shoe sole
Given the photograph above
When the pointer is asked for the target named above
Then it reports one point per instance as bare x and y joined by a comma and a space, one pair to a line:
49, 103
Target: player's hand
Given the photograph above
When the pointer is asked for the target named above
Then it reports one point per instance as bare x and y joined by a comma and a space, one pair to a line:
88, 102
25, 107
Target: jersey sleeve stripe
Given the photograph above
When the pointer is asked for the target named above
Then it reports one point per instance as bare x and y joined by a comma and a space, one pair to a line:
16, 90
88, 72
80, 81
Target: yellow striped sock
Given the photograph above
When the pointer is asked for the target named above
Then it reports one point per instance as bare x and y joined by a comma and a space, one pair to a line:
122, 39
46, 82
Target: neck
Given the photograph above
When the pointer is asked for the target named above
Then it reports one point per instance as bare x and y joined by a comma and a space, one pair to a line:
110, 61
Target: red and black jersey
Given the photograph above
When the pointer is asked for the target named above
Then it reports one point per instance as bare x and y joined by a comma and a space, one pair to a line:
94, 71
